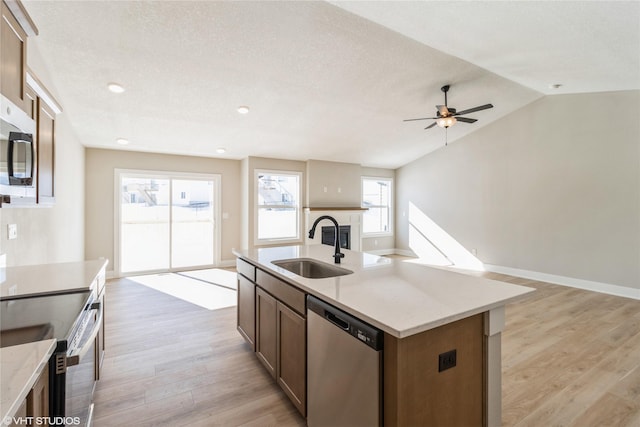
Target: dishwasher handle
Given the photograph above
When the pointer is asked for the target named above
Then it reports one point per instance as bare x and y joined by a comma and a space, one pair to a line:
336, 320
367, 334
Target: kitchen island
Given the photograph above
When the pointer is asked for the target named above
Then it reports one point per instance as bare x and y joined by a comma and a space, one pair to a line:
424, 313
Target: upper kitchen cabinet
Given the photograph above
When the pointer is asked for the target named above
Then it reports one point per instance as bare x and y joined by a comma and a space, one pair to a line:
45, 144
16, 26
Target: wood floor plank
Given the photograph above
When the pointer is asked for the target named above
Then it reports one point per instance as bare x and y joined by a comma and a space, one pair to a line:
609, 410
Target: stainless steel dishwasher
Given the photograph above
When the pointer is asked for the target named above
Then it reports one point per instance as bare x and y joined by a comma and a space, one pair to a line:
344, 368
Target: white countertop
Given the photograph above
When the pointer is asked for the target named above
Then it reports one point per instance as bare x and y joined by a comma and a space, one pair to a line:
31, 280
20, 367
400, 297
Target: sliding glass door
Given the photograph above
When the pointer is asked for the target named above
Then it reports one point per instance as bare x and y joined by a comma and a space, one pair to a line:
166, 222
144, 224
192, 223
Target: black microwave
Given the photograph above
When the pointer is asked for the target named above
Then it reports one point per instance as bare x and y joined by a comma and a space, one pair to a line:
20, 158
17, 157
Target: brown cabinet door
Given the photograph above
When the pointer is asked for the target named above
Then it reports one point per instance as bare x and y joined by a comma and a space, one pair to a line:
292, 360
45, 148
266, 330
20, 415
38, 397
13, 51
247, 310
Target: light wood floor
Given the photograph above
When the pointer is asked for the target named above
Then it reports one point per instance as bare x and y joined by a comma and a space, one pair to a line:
570, 358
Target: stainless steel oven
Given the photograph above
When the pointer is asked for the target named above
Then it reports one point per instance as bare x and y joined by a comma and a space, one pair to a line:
74, 320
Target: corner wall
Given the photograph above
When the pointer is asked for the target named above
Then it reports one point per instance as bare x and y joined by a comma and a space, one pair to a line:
553, 188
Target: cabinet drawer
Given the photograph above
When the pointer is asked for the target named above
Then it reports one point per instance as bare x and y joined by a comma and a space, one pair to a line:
246, 269
286, 293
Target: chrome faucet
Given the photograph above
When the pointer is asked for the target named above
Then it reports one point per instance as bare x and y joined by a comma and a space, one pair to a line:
337, 255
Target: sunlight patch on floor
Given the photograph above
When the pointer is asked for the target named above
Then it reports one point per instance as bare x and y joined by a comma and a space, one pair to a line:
207, 295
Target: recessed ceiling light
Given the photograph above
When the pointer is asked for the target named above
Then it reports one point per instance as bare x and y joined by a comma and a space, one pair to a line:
115, 87
122, 141
221, 150
243, 109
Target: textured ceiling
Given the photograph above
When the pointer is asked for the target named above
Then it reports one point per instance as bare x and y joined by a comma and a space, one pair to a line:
322, 82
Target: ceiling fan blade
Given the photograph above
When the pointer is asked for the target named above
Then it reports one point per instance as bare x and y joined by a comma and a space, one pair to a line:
474, 109
430, 126
443, 110
423, 118
466, 120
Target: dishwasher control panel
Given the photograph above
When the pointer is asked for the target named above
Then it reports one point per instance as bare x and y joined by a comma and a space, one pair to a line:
369, 335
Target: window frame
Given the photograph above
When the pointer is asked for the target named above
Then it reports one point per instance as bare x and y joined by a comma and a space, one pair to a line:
390, 206
257, 206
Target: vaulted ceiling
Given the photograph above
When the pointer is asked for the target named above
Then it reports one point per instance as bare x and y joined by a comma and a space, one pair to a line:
323, 80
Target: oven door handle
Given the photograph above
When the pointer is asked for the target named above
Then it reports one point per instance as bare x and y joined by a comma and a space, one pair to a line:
77, 355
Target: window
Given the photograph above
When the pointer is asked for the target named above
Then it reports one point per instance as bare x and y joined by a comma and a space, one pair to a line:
278, 205
377, 198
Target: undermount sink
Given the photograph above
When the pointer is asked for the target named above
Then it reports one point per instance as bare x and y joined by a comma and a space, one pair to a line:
310, 268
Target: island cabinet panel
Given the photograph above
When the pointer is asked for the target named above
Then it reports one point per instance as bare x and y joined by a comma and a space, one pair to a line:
418, 392
266, 330
38, 397
247, 310
35, 405
20, 414
13, 51
292, 351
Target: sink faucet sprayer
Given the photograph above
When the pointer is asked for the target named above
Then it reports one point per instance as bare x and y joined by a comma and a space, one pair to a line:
337, 255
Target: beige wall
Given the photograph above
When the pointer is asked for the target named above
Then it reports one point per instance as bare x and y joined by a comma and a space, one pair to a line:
99, 213
332, 184
551, 188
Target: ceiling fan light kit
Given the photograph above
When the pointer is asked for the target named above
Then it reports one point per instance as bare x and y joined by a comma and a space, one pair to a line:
445, 122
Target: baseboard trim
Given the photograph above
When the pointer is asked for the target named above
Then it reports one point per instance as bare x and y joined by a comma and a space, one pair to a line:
381, 252
227, 263
605, 288
405, 252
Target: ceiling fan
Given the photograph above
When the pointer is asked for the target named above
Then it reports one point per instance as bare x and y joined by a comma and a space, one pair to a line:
447, 117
